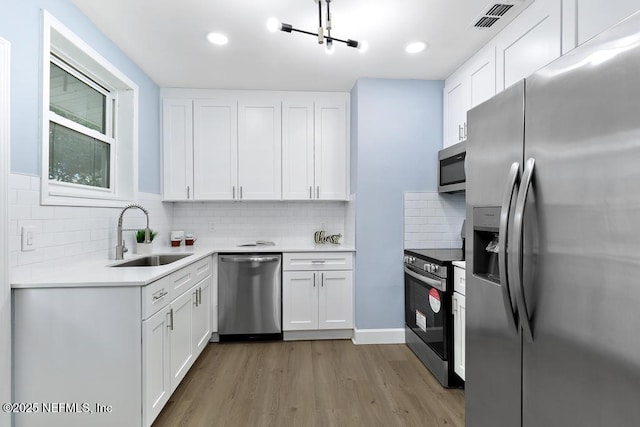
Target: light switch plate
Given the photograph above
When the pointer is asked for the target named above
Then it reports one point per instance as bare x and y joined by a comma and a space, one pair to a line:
28, 238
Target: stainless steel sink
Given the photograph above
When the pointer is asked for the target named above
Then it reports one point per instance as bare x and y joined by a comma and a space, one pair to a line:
152, 260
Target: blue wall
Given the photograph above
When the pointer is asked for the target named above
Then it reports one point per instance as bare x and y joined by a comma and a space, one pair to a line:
20, 24
396, 134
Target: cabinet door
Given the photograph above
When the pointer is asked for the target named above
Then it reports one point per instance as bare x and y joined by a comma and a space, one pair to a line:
299, 300
458, 302
482, 76
298, 151
201, 315
177, 149
156, 375
181, 327
595, 16
531, 41
335, 300
331, 150
259, 149
456, 104
215, 149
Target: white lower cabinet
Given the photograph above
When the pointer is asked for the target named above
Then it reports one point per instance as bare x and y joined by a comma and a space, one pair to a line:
156, 381
317, 292
114, 353
459, 315
173, 338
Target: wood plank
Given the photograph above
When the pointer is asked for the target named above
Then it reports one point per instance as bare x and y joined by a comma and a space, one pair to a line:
311, 383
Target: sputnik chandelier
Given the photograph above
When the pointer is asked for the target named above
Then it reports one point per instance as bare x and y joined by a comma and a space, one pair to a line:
324, 31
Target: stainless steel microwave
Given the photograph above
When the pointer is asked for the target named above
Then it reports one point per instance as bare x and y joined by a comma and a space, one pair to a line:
451, 176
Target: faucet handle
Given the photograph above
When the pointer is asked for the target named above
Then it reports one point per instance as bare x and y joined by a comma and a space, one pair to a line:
124, 247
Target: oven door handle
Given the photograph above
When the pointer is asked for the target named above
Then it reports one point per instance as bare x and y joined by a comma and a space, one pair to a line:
441, 285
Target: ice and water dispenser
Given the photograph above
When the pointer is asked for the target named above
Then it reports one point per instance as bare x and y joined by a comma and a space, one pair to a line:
486, 222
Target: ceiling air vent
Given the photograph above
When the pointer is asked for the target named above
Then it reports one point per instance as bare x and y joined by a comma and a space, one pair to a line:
493, 12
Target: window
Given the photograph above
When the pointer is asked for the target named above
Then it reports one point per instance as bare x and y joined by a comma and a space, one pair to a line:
80, 128
89, 138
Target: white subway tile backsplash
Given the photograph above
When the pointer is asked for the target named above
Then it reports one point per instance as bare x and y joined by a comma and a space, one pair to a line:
433, 220
64, 232
70, 232
286, 223
19, 181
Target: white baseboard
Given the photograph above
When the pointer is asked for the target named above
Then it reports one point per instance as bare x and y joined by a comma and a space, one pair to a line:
379, 336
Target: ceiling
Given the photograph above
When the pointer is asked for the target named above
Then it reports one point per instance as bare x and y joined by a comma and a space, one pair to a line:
166, 38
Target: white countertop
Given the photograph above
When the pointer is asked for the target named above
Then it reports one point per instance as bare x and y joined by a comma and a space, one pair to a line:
461, 264
99, 273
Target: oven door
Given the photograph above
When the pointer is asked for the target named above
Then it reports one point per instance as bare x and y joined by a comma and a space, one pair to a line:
427, 306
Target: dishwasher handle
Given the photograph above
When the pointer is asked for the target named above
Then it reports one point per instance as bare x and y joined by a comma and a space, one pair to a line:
253, 258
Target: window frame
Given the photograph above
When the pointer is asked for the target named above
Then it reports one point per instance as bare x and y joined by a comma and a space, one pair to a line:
66, 50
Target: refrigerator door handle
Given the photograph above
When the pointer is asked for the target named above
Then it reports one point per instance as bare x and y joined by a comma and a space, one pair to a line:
518, 223
513, 181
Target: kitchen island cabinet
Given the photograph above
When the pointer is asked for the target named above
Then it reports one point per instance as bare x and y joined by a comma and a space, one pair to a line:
108, 355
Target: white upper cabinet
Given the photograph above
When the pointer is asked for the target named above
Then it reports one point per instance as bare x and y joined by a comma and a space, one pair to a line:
260, 148
583, 19
315, 147
255, 145
472, 84
215, 148
530, 42
331, 149
482, 76
177, 146
298, 164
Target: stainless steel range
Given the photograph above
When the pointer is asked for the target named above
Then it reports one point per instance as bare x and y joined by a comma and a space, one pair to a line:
428, 287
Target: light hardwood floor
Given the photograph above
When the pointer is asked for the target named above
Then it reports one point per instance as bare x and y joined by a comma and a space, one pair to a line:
311, 383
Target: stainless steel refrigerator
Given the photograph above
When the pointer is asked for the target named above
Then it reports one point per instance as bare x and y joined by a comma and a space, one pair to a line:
553, 243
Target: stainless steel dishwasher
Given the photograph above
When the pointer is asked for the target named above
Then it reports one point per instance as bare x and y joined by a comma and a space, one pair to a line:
250, 296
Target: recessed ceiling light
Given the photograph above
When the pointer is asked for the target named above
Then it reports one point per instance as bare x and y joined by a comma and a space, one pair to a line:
415, 47
273, 24
217, 38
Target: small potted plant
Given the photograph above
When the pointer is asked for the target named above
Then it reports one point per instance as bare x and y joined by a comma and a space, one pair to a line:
141, 246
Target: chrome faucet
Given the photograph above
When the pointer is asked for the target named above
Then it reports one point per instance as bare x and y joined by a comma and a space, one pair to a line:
120, 247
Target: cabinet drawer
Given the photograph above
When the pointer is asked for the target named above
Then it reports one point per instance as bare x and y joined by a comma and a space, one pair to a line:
155, 296
317, 261
459, 280
201, 269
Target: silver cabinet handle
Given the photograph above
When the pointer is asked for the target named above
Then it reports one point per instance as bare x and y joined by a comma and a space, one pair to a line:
318, 261
195, 297
459, 132
234, 192
310, 192
314, 280
160, 295
199, 296
318, 192
518, 228
188, 191
170, 324
322, 279
241, 192
513, 180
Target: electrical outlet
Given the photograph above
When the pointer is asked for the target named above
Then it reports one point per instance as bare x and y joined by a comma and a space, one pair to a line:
28, 238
